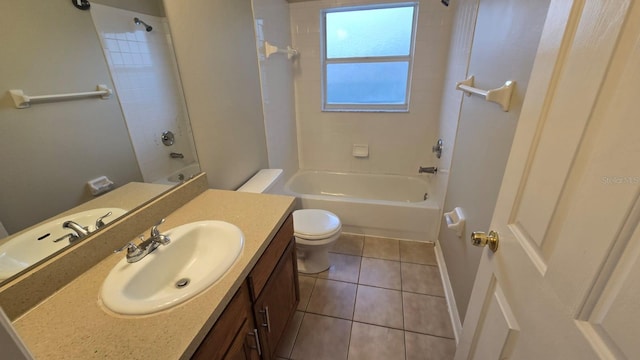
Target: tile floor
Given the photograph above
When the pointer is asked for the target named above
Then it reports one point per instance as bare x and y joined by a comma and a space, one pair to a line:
381, 299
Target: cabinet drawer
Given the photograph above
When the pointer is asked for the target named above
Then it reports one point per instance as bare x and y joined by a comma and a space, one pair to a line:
269, 259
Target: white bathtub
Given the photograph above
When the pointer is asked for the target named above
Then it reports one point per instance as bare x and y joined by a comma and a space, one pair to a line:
179, 175
378, 205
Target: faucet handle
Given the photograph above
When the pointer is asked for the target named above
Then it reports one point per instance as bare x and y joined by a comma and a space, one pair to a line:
130, 247
154, 229
100, 223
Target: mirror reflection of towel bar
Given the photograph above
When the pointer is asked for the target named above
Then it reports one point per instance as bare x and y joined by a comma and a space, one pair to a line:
23, 101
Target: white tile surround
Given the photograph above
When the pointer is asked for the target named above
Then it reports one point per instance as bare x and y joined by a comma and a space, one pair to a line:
147, 83
398, 142
456, 70
276, 78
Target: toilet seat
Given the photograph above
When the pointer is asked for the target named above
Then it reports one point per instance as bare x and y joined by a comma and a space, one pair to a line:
315, 224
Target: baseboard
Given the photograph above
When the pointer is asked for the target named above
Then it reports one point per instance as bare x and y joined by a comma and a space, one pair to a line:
448, 292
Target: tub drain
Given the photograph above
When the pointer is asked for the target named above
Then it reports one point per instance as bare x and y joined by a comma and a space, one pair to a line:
182, 283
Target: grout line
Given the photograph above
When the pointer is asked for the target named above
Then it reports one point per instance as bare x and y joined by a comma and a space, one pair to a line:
417, 293
404, 331
378, 325
295, 338
432, 335
351, 330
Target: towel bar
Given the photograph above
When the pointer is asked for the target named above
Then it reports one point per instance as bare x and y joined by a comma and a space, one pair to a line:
501, 95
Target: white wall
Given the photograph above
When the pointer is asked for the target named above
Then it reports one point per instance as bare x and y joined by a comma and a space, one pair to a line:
276, 75
398, 142
507, 33
147, 83
50, 151
215, 47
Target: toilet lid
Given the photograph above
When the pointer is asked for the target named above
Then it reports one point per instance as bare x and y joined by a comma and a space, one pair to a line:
315, 224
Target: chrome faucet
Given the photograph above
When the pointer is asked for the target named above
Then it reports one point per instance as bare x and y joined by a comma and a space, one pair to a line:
81, 231
175, 155
136, 253
78, 231
428, 170
100, 222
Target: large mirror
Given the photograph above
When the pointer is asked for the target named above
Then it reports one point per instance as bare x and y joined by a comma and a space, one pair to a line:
131, 146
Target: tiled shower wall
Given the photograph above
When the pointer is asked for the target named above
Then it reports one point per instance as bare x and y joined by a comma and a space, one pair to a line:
276, 80
398, 142
145, 75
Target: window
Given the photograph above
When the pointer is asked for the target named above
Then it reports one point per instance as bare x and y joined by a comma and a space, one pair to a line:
367, 57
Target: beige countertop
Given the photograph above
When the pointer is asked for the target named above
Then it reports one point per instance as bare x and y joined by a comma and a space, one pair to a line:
127, 197
72, 324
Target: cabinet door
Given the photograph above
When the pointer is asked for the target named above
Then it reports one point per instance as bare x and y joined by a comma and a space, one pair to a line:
277, 302
233, 335
244, 346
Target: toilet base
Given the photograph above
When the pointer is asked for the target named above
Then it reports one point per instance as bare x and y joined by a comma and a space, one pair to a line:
314, 261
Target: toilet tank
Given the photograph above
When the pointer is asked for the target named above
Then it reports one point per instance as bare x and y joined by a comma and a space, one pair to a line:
262, 181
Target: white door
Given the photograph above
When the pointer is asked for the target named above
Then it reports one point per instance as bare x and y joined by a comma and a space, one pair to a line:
564, 282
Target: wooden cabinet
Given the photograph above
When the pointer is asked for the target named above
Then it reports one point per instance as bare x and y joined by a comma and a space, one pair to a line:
274, 288
277, 303
234, 334
254, 321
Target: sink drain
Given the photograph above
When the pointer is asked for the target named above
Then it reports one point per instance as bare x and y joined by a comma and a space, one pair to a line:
182, 283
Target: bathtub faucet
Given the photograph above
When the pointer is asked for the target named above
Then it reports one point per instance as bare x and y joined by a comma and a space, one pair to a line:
428, 170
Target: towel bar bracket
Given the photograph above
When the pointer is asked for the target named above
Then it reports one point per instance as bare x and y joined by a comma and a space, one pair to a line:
500, 96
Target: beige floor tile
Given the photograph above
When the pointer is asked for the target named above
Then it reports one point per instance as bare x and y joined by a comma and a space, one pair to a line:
370, 342
417, 252
426, 314
289, 336
322, 338
381, 248
306, 286
333, 298
423, 279
426, 347
343, 268
379, 306
349, 244
381, 273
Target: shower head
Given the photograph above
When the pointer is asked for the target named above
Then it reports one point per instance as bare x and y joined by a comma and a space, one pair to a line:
138, 22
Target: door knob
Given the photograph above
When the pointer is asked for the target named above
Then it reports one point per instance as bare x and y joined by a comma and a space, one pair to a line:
478, 238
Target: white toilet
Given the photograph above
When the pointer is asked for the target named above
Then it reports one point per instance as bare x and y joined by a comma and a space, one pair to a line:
315, 230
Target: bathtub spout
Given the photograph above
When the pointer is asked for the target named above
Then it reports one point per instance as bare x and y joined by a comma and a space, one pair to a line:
428, 170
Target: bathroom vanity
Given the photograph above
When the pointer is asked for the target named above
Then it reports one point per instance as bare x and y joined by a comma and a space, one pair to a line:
260, 310
241, 316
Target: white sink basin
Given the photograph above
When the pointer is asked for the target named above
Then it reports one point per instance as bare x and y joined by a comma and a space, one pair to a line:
37, 243
199, 252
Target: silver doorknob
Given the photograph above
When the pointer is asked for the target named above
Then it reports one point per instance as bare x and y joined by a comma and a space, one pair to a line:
478, 238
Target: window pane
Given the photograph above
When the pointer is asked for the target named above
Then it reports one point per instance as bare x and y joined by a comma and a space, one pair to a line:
374, 32
367, 83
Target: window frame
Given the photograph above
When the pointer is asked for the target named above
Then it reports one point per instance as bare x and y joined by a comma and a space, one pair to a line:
351, 107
